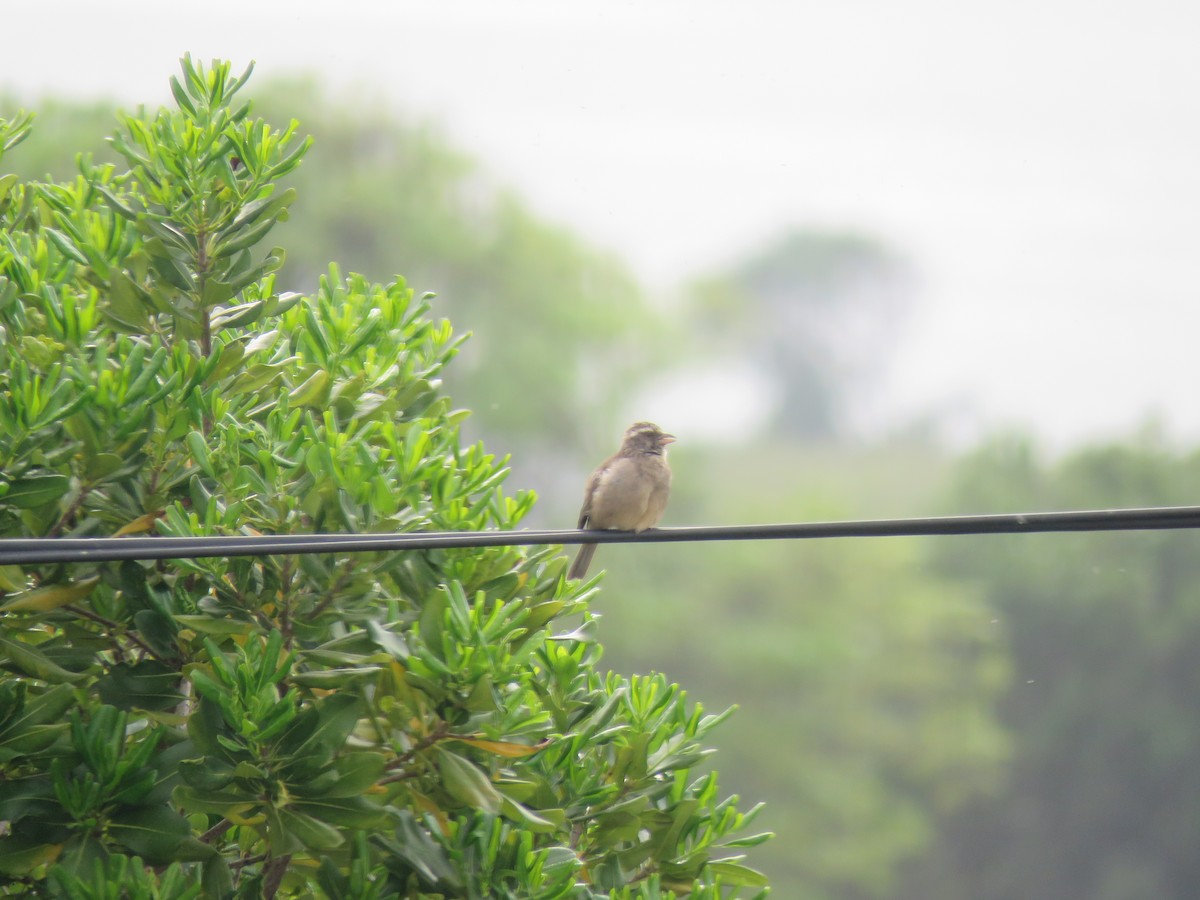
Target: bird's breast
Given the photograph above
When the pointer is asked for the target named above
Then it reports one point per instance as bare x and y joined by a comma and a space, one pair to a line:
630, 495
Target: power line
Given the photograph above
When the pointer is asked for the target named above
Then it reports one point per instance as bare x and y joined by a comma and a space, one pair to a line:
27, 551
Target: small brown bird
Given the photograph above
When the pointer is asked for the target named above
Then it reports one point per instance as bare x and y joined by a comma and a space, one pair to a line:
628, 492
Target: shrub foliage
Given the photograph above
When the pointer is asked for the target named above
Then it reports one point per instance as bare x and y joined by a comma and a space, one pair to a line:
419, 724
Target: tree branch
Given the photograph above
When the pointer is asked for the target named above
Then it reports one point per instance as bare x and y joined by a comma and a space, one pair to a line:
438, 734
114, 627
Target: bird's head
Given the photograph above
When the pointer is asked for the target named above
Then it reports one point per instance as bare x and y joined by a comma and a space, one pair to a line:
646, 437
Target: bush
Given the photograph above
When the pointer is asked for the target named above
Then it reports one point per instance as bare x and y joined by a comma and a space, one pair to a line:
419, 724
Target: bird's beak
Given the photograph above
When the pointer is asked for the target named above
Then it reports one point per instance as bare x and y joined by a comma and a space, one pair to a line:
666, 439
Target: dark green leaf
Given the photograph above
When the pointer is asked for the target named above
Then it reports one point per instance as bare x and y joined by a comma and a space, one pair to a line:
238, 316
311, 832
243, 237
154, 833
336, 718
148, 684
124, 304
35, 490
32, 662
414, 847
20, 856
223, 803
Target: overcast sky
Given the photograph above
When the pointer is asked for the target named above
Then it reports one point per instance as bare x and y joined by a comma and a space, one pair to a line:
1037, 162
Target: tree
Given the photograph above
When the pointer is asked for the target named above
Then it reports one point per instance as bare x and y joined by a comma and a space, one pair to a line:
1105, 632
818, 311
427, 724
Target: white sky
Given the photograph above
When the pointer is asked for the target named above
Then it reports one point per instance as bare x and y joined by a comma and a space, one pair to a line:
1038, 162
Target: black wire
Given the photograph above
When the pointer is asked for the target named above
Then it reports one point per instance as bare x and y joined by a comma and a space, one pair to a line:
26, 551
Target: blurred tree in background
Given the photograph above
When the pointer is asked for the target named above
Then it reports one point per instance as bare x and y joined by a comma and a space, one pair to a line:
65, 128
1103, 795
816, 312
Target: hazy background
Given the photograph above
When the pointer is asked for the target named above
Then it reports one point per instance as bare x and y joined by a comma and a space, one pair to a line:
1034, 161
865, 260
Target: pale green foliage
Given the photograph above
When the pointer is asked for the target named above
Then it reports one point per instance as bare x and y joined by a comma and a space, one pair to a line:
423, 724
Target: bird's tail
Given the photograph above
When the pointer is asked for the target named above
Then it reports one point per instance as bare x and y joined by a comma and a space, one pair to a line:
583, 559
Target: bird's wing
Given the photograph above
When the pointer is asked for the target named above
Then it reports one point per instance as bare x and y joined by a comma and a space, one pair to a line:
585, 514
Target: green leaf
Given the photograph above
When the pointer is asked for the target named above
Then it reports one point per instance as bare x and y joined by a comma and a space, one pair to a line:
534, 821
311, 832
264, 206
357, 771
51, 596
153, 833
33, 709
217, 878
348, 812
208, 774
30, 741
292, 159
328, 679
314, 390
116, 204
585, 633
192, 849
82, 853
257, 378
210, 625
732, 873
36, 490
215, 293
464, 782
163, 235
238, 316
752, 840
416, 848
278, 305
6, 185
181, 96
198, 446
99, 467
32, 662
158, 630
242, 237
12, 579
222, 803
148, 684
65, 246
390, 641
337, 716
124, 304
20, 856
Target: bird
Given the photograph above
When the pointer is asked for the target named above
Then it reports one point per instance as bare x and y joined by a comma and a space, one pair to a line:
628, 491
